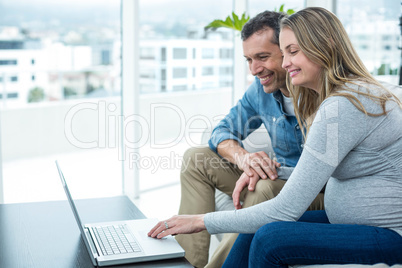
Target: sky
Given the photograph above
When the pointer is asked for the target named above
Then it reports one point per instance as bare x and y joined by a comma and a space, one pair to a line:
74, 13
160, 12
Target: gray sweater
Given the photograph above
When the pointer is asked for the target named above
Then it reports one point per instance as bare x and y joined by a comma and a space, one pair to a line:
358, 156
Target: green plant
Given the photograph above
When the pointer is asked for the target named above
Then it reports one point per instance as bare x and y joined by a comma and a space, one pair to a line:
385, 69
236, 23
69, 92
232, 23
36, 94
289, 11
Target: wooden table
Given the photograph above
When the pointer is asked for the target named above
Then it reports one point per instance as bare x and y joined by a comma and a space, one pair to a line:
45, 234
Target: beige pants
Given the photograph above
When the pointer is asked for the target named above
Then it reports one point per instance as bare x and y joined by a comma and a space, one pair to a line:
202, 172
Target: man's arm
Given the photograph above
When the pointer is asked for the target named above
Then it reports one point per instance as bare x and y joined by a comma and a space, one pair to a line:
241, 120
237, 125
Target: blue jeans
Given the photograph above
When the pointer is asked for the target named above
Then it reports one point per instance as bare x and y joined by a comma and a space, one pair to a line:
313, 240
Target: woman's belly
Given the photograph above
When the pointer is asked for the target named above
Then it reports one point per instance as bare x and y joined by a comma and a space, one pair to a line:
367, 201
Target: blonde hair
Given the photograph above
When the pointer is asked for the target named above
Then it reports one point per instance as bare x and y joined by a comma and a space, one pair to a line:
323, 39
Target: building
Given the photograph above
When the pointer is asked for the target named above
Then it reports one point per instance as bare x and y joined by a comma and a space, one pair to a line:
377, 45
185, 64
22, 63
56, 69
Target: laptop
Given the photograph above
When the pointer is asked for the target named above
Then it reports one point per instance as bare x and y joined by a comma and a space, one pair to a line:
121, 242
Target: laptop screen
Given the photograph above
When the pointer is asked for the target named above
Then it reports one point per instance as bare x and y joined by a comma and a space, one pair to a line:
74, 209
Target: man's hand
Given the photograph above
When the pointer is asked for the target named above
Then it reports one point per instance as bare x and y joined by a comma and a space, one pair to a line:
181, 224
258, 162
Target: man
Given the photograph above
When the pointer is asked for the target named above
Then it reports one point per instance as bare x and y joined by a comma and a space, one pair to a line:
226, 162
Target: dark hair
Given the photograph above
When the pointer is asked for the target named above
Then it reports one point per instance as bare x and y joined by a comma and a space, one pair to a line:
262, 21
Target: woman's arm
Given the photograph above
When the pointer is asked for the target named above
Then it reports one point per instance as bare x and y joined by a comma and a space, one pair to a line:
337, 128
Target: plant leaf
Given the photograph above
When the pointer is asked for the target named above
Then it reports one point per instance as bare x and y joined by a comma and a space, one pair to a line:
232, 23
235, 17
236, 22
290, 11
244, 20
228, 23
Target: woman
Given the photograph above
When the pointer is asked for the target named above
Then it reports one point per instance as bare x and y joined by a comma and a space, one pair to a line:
353, 146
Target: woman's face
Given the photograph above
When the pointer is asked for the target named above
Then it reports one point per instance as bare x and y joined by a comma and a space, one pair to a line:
302, 71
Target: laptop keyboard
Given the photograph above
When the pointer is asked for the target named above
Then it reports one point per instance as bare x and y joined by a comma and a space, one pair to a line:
115, 239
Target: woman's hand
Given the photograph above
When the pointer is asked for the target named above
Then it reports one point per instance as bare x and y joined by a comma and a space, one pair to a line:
181, 224
243, 182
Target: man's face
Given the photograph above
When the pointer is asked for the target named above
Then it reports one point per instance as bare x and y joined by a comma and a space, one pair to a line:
265, 60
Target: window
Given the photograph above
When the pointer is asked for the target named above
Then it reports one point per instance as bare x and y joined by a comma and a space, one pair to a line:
387, 37
206, 71
208, 84
177, 31
179, 53
225, 70
147, 53
147, 73
163, 74
11, 45
179, 87
147, 88
71, 110
225, 83
75, 104
369, 23
225, 53
179, 72
184, 37
163, 54
106, 57
8, 62
207, 53
363, 37
10, 95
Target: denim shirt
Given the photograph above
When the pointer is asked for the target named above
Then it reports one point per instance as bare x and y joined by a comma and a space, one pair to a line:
256, 108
